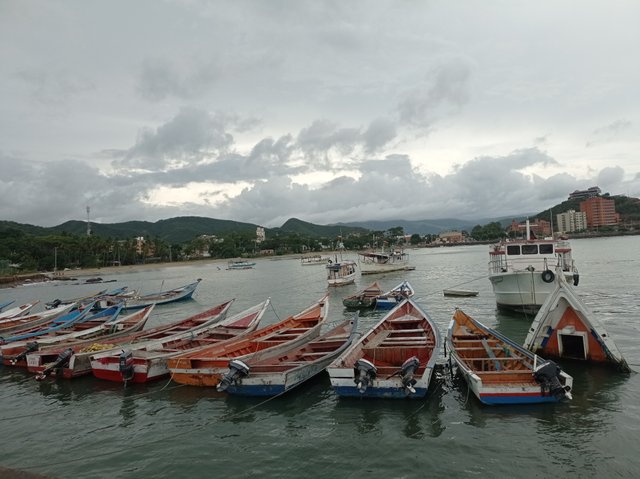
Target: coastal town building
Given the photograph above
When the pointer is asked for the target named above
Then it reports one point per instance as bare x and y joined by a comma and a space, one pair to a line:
538, 228
571, 221
260, 234
584, 194
600, 212
451, 237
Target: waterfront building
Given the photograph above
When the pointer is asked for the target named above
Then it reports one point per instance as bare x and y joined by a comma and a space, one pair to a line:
584, 194
600, 212
571, 221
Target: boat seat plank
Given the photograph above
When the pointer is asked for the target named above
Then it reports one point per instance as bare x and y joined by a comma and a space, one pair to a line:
415, 330
491, 354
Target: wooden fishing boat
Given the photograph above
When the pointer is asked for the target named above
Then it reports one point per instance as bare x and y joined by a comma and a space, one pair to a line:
313, 260
566, 328
147, 361
15, 352
341, 273
87, 298
136, 302
238, 264
365, 298
79, 363
205, 367
58, 324
374, 262
499, 371
459, 293
394, 359
18, 311
11, 326
290, 368
395, 296
71, 359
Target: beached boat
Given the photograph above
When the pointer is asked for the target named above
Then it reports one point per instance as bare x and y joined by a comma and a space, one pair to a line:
498, 370
240, 265
313, 260
521, 271
459, 293
365, 298
205, 367
147, 361
92, 326
88, 298
394, 359
142, 301
566, 328
18, 311
11, 326
60, 323
290, 368
394, 296
341, 273
71, 359
383, 261
79, 363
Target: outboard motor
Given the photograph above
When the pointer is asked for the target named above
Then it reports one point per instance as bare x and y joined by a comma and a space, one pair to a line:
53, 304
408, 369
61, 361
364, 373
237, 371
548, 375
576, 279
29, 348
125, 365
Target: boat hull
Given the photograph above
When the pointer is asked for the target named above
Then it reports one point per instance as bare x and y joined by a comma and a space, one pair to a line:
522, 290
344, 385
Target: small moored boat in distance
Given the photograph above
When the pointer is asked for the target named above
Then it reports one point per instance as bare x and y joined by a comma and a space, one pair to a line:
313, 260
240, 264
394, 296
275, 375
459, 293
341, 273
566, 328
498, 370
521, 271
142, 301
365, 298
394, 359
383, 261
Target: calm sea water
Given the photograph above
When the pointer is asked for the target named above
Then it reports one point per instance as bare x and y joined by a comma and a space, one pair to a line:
86, 428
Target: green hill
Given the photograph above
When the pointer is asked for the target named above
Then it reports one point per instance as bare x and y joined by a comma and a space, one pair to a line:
303, 228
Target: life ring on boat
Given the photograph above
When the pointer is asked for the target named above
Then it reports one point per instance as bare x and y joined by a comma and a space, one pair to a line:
548, 276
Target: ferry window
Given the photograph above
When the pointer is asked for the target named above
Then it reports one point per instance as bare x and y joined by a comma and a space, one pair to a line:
529, 249
546, 249
513, 249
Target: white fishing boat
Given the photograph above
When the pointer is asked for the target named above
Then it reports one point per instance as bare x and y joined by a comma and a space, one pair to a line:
241, 264
383, 262
566, 328
313, 260
341, 273
521, 271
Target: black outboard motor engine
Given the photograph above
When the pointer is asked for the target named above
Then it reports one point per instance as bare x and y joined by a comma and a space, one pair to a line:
237, 371
576, 279
364, 372
125, 365
548, 375
408, 369
61, 361
53, 304
30, 347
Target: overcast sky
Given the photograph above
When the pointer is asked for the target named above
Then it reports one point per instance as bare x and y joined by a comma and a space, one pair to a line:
260, 111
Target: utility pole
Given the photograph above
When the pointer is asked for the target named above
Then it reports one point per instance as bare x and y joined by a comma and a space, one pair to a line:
88, 221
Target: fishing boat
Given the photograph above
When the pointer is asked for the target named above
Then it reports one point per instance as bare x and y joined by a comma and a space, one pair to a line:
365, 298
79, 363
566, 328
136, 301
69, 359
107, 329
341, 273
61, 323
372, 262
13, 325
147, 361
394, 359
290, 368
14, 353
394, 296
498, 370
313, 260
240, 265
207, 366
521, 271
18, 311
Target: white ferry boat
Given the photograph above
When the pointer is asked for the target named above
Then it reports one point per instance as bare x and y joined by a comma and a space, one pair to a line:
383, 262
